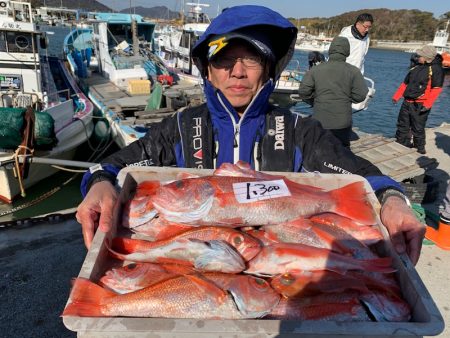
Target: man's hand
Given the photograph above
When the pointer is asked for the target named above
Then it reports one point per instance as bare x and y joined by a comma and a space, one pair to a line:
96, 210
394, 101
405, 230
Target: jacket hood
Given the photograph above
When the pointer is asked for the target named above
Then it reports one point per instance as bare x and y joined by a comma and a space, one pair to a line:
339, 48
252, 21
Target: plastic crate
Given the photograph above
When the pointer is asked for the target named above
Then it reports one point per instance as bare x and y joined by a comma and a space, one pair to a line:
139, 87
426, 318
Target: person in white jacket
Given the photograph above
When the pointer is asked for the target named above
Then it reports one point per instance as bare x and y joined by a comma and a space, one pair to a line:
358, 36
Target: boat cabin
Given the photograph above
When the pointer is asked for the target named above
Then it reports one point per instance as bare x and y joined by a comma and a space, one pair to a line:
20, 68
122, 44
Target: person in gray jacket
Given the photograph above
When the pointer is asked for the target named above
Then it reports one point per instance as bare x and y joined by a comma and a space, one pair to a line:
333, 86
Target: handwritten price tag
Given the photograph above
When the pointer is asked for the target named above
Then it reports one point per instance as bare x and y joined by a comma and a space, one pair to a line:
247, 192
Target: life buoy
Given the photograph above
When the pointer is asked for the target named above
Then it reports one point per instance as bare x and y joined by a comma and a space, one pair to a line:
3, 4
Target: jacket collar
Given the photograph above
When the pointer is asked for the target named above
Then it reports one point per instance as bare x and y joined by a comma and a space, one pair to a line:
357, 34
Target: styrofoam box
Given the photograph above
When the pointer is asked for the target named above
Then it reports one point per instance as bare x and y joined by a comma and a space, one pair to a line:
426, 319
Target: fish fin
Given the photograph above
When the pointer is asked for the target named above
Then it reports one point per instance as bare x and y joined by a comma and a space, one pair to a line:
129, 245
352, 202
86, 299
166, 260
331, 240
214, 259
383, 265
210, 289
184, 175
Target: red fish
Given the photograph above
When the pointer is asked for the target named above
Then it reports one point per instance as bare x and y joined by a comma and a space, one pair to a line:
205, 256
245, 244
285, 257
367, 234
308, 283
335, 307
188, 296
303, 231
240, 200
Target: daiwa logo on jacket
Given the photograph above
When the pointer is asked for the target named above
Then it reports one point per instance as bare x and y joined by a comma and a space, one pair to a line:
279, 133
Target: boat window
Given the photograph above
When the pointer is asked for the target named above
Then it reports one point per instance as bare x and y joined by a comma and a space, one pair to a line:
185, 40
3, 42
19, 43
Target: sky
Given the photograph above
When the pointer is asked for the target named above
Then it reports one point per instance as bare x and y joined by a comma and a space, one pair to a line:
295, 8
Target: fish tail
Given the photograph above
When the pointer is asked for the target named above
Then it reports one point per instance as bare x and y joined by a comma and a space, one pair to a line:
86, 299
352, 202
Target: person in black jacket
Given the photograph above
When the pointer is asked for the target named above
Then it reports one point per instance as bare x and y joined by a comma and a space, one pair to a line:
421, 87
241, 55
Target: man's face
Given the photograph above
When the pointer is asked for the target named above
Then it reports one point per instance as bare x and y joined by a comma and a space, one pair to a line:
363, 27
238, 72
421, 60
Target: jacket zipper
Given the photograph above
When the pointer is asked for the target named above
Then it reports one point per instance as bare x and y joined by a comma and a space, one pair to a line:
237, 126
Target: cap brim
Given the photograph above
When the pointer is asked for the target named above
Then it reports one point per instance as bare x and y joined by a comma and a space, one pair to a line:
220, 42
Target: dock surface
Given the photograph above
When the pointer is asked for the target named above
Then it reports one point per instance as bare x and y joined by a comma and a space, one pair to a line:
396, 160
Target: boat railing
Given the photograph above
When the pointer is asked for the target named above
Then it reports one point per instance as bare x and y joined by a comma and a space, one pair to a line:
56, 96
20, 99
17, 10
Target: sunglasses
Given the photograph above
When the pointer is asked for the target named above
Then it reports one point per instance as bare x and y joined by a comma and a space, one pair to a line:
228, 62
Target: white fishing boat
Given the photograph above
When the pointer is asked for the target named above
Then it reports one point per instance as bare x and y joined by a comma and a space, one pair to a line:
287, 85
113, 59
174, 44
441, 38
42, 112
440, 42
308, 42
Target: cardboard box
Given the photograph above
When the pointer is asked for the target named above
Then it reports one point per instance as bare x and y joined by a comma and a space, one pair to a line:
426, 319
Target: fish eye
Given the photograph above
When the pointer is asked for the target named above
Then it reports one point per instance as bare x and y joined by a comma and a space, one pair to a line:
131, 266
179, 184
260, 283
287, 279
238, 240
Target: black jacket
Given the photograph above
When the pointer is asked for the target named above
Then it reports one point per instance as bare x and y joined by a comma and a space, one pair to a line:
287, 142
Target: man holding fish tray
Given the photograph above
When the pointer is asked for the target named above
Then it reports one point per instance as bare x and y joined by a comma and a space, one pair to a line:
241, 56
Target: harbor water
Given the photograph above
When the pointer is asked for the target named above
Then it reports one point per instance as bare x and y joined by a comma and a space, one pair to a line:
387, 68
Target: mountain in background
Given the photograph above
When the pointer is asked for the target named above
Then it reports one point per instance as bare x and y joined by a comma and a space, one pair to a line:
402, 25
158, 12
86, 5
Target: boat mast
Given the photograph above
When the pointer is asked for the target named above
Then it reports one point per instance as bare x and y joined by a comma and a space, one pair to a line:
134, 34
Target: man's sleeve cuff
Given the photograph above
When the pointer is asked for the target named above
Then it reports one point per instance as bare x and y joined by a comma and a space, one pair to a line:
385, 194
